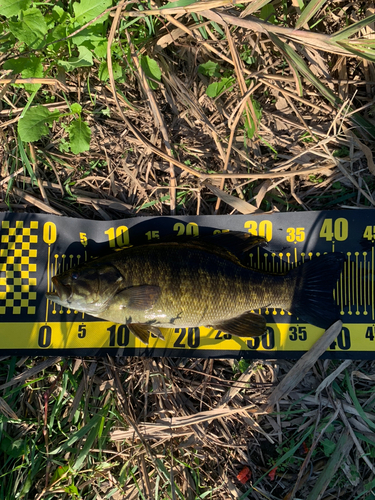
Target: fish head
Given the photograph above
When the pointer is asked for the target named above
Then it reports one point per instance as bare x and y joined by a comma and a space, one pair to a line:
88, 288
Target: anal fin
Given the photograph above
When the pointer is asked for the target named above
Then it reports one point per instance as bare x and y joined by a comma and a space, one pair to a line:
247, 325
143, 332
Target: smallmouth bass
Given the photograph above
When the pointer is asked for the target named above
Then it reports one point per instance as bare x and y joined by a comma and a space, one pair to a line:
200, 282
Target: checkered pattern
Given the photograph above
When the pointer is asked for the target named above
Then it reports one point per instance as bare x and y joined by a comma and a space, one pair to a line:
18, 268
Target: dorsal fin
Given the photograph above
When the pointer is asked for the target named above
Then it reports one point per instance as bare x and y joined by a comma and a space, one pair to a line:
233, 244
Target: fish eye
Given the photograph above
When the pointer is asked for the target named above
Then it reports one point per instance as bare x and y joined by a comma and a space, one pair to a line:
75, 275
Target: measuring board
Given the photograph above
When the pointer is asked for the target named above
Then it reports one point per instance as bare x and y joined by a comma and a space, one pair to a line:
35, 247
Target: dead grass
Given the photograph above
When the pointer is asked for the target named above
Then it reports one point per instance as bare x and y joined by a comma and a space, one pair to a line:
185, 428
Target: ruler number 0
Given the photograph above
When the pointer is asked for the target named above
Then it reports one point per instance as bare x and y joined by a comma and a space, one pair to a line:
49, 233
45, 336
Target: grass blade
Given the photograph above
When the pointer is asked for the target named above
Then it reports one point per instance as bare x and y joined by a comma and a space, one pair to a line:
78, 435
364, 53
350, 30
254, 6
305, 71
309, 11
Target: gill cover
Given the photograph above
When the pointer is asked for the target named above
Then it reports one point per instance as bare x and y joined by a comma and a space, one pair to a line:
88, 288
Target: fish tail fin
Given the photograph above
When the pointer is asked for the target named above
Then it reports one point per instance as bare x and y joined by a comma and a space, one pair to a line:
315, 281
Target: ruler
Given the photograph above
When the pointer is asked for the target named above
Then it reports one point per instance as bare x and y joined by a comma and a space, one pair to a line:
35, 247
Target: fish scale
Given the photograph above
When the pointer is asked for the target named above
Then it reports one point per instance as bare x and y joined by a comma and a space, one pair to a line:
197, 286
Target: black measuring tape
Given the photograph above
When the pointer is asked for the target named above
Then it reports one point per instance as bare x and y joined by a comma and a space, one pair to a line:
35, 247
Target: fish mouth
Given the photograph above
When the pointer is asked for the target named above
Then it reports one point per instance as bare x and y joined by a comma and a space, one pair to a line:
63, 292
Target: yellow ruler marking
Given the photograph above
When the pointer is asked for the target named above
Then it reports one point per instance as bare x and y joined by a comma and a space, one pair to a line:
288, 257
349, 284
360, 284
364, 283
357, 281
345, 282
49, 284
372, 282
280, 337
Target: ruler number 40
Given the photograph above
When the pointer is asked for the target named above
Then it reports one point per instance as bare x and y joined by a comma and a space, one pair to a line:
337, 230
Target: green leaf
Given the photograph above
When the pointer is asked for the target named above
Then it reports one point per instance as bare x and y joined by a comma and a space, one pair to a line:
178, 3
13, 448
90, 36
28, 483
104, 74
31, 29
101, 49
33, 125
250, 127
29, 67
9, 8
79, 135
267, 13
76, 108
59, 472
59, 14
84, 59
243, 365
216, 88
328, 447
152, 70
72, 490
87, 10
209, 68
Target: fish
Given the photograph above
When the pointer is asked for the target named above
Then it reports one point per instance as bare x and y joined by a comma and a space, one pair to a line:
203, 281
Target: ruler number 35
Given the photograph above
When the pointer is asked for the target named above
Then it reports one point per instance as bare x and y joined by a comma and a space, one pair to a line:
298, 333
295, 234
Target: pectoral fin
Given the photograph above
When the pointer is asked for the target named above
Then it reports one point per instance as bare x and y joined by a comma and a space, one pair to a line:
141, 297
247, 325
143, 331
